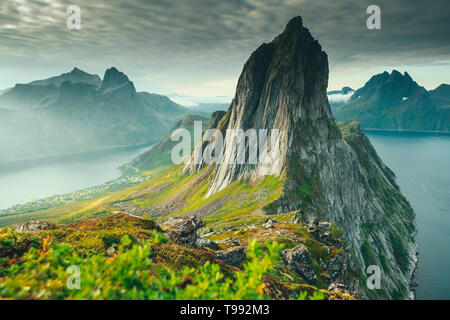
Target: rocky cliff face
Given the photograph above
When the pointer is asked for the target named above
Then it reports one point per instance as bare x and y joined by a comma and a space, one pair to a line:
326, 175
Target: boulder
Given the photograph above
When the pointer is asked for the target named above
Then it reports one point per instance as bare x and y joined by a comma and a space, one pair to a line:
338, 267
34, 226
270, 224
299, 259
337, 287
207, 243
233, 256
182, 230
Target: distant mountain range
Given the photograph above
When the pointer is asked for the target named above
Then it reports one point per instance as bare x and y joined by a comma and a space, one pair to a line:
441, 96
78, 112
210, 108
395, 101
339, 97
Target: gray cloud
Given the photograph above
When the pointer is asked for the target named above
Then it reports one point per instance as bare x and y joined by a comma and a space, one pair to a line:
184, 46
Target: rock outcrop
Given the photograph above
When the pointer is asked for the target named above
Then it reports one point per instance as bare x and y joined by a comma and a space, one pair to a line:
182, 230
333, 176
233, 256
299, 259
206, 243
32, 226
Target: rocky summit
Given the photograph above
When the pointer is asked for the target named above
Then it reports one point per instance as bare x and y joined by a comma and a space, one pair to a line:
329, 172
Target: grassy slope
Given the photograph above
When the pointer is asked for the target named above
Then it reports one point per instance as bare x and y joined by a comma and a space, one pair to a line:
160, 155
123, 257
170, 192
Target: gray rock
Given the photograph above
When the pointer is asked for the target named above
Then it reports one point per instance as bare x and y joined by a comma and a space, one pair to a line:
32, 226
338, 267
216, 117
233, 256
207, 243
182, 230
337, 287
269, 224
299, 259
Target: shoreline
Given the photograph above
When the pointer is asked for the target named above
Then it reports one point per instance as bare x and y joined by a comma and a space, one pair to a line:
406, 131
70, 154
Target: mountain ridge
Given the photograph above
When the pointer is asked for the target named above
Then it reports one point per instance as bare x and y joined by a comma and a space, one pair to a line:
68, 115
395, 102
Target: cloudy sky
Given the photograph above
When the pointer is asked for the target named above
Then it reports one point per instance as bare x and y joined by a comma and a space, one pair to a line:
198, 47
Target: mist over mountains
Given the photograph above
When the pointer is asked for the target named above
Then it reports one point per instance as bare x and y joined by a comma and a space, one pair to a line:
78, 112
395, 102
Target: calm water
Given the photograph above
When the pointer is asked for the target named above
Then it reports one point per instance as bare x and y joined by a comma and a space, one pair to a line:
25, 181
421, 162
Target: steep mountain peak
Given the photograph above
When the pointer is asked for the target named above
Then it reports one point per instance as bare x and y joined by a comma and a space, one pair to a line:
76, 70
113, 79
282, 94
387, 89
282, 87
395, 101
294, 25
396, 73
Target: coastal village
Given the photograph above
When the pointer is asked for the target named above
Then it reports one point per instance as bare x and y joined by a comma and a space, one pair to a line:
80, 195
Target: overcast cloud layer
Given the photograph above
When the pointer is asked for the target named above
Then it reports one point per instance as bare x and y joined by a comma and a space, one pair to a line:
198, 47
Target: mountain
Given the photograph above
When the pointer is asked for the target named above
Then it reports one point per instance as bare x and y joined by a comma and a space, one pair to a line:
344, 91
4, 91
75, 76
396, 102
159, 156
74, 112
441, 96
327, 174
339, 97
28, 96
209, 108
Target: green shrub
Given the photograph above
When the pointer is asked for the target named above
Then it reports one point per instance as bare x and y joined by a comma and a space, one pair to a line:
336, 232
131, 274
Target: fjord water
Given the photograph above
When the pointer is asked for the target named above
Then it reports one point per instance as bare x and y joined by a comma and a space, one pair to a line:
421, 162
31, 180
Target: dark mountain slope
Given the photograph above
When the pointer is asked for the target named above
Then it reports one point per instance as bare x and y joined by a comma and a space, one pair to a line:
441, 96
393, 101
